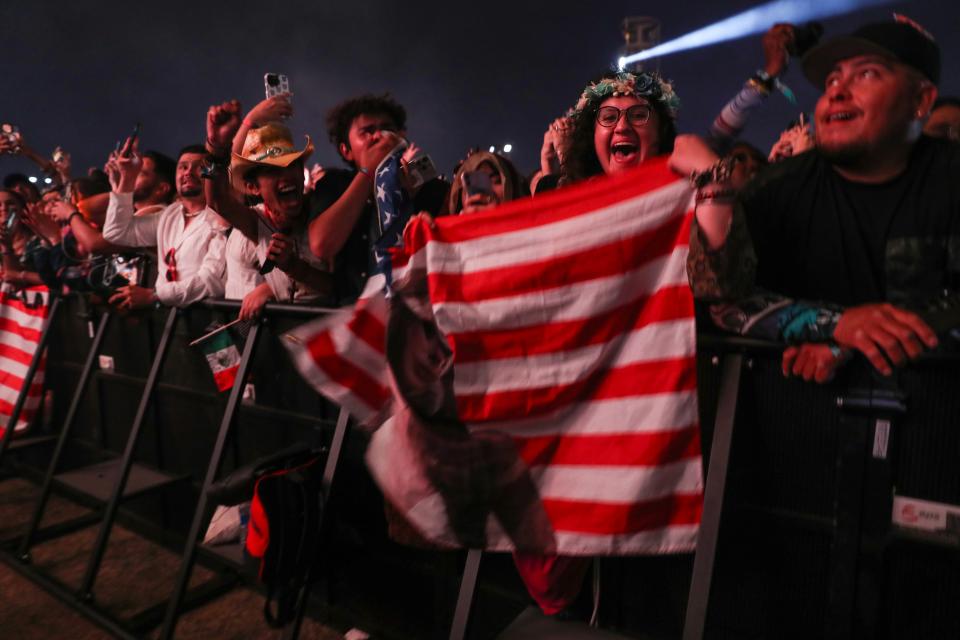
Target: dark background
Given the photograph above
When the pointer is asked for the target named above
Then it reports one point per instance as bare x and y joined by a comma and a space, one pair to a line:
470, 73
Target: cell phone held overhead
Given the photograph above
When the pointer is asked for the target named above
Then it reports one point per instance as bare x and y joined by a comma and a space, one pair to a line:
134, 135
275, 84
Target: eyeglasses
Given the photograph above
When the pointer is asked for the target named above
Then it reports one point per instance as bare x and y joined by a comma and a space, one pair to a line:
171, 261
637, 115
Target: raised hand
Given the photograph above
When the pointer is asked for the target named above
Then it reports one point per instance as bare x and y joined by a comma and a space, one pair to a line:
562, 138
775, 42
278, 107
44, 225
691, 153
223, 121
793, 141
61, 210
128, 163
113, 172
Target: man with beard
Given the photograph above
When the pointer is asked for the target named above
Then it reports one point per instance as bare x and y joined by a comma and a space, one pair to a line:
188, 236
868, 222
152, 193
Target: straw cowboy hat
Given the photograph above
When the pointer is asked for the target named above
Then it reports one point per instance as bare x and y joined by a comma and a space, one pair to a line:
270, 145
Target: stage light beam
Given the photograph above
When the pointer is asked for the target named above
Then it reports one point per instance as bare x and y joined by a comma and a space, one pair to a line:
751, 21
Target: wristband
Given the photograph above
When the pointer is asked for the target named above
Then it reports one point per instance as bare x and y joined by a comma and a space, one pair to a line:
720, 196
767, 83
216, 151
70, 217
765, 80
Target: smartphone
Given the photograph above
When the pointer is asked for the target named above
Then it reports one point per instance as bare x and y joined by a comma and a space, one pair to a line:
421, 170
12, 221
475, 182
59, 155
133, 138
275, 84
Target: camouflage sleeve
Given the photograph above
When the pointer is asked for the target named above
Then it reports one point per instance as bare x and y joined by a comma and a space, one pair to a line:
727, 273
771, 316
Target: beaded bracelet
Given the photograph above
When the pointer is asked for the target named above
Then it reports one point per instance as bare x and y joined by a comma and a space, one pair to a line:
717, 173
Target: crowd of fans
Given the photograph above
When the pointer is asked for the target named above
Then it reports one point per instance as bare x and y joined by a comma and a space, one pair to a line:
844, 237
240, 216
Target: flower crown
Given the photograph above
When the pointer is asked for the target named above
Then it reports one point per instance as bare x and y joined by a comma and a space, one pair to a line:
643, 84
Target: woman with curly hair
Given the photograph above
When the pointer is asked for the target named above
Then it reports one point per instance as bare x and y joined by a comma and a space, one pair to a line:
620, 120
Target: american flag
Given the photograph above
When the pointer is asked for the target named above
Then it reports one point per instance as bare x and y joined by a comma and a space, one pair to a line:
571, 327
22, 313
393, 209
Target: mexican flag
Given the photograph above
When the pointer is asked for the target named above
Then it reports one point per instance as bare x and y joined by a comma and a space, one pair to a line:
224, 359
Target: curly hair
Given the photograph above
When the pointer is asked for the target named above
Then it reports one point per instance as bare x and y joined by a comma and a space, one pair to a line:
340, 117
583, 161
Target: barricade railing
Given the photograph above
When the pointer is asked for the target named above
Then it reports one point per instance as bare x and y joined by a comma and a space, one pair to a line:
857, 417
823, 462
113, 481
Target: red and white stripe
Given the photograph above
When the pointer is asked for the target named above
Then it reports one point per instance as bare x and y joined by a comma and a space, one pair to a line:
20, 328
572, 327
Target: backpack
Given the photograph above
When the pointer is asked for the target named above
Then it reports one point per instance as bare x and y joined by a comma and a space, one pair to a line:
284, 531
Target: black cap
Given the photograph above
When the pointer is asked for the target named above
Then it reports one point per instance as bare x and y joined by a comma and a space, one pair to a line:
901, 39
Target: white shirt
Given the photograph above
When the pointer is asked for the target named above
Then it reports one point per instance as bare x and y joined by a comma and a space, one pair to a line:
198, 248
285, 288
243, 267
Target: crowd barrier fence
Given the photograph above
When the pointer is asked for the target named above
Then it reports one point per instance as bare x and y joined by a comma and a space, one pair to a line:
799, 491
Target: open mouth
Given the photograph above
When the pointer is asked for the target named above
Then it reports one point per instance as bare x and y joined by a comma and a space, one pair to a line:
288, 192
840, 116
624, 152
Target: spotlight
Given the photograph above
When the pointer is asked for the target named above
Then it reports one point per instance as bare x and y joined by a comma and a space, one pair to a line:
752, 21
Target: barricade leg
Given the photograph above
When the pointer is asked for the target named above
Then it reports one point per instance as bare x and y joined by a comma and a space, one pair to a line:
30, 375
461, 615
190, 550
696, 616
86, 586
850, 610
292, 630
23, 551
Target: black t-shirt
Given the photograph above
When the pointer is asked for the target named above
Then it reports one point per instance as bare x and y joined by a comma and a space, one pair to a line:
818, 236
354, 263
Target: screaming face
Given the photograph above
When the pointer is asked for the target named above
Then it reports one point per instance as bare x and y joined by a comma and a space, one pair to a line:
626, 142
281, 189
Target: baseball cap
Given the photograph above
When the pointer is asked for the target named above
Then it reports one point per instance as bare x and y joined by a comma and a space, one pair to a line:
901, 39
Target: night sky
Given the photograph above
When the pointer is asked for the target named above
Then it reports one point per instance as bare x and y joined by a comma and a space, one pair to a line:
470, 73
